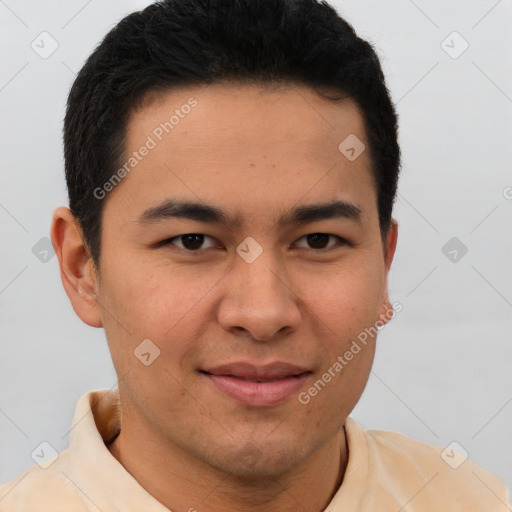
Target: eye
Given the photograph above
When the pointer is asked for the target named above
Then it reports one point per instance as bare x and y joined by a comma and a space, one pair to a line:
320, 241
194, 242
191, 242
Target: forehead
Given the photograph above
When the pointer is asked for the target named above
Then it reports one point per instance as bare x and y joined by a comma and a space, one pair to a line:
229, 114
249, 147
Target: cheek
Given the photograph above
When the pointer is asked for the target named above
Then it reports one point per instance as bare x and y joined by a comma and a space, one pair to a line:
153, 299
159, 303
345, 299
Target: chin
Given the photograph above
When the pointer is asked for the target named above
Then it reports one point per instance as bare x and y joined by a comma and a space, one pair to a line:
265, 460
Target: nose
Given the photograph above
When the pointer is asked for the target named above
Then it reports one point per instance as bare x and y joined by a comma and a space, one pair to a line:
259, 299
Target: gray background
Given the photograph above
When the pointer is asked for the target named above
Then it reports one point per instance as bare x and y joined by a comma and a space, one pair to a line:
443, 366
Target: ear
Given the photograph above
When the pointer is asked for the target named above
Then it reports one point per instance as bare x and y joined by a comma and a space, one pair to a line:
386, 309
77, 270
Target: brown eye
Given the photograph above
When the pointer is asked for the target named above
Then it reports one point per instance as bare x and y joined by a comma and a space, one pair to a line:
321, 241
191, 241
318, 240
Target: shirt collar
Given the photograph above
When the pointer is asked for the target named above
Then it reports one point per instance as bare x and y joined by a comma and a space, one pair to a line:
93, 469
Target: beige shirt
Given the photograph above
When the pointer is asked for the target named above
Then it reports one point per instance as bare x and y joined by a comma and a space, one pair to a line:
385, 472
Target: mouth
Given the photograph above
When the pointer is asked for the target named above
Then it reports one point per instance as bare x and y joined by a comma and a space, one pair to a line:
260, 386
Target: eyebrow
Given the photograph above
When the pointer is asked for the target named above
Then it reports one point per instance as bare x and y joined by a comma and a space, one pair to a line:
200, 212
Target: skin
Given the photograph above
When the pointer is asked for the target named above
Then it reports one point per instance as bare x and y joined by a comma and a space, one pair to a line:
256, 153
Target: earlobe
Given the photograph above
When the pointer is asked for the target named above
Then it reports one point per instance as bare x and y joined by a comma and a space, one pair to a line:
386, 312
77, 270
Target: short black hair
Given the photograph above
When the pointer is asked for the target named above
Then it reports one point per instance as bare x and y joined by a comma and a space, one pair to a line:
179, 43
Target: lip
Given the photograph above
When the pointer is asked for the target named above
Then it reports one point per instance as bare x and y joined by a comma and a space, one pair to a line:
261, 386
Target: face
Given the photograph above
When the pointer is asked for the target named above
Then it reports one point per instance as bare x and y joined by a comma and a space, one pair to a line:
246, 247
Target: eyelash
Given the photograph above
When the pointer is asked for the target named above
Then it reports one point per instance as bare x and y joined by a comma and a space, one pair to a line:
169, 241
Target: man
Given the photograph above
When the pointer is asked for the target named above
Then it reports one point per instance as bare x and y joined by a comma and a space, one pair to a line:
231, 169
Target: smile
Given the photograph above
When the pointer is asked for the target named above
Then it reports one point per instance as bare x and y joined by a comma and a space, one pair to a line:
258, 386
